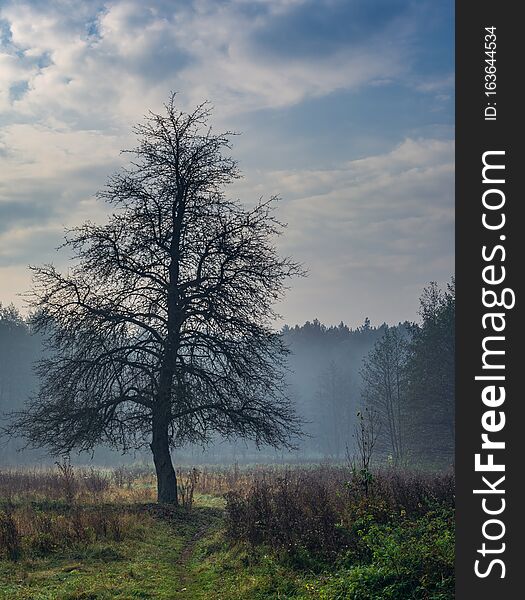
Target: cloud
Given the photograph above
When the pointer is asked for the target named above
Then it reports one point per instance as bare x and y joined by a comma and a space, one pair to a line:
249, 63
74, 77
379, 225
49, 178
101, 63
377, 198
28, 244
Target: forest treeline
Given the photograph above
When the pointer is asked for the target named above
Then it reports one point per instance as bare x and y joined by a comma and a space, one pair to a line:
396, 382
393, 383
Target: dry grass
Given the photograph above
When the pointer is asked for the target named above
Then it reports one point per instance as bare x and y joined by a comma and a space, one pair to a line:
36, 531
321, 531
43, 509
81, 485
50, 509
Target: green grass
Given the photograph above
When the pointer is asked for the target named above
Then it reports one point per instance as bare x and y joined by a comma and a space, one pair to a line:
151, 567
182, 555
410, 560
176, 554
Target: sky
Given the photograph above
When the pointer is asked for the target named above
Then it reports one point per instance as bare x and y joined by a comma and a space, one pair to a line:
345, 109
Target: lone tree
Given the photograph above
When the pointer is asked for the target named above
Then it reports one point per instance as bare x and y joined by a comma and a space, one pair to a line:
161, 333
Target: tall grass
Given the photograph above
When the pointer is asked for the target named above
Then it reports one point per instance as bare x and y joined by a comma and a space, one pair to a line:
384, 534
366, 534
68, 484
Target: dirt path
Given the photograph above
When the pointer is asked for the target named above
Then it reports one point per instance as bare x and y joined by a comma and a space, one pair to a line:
183, 564
200, 523
188, 549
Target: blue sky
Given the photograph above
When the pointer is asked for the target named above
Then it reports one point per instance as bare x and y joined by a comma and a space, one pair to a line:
346, 111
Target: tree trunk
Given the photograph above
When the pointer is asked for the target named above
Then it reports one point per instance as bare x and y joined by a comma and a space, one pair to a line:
166, 477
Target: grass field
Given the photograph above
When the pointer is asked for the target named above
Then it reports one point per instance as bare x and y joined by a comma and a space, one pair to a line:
73, 534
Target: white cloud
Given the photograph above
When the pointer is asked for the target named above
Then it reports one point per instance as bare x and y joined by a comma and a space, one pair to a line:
126, 55
412, 181
367, 225
75, 75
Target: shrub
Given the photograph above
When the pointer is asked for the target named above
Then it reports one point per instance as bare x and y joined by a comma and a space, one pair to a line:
389, 540
289, 513
187, 483
413, 560
67, 479
38, 532
9, 535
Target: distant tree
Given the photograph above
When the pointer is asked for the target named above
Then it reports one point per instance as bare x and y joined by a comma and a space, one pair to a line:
366, 325
161, 333
336, 410
313, 347
431, 375
384, 390
13, 337
10, 317
18, 351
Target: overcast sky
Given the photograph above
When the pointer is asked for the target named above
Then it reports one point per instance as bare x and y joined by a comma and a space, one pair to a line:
345, 107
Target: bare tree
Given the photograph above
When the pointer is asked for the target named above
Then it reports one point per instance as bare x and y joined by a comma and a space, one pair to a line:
384, 380
366, 431
161, 331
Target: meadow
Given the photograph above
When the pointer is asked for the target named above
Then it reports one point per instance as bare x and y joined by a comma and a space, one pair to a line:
261, 532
